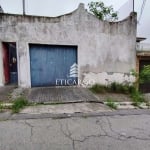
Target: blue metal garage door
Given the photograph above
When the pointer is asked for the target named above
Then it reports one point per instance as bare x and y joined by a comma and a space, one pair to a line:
53, 65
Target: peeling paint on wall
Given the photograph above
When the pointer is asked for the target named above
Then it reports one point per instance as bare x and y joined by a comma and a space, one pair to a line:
106, 78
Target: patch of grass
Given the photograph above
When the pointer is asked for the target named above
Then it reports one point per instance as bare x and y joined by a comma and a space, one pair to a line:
110, 103
98, 88
121, 88
137, 98
112, 88
19, 104
1, 107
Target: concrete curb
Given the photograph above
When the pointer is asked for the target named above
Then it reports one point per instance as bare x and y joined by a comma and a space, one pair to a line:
120, 105
6, 104
124, 108
129, 105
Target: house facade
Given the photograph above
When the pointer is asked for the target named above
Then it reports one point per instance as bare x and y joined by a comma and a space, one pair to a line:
73, 49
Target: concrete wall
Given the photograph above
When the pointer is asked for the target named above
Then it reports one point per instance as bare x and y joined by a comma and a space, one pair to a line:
106, 51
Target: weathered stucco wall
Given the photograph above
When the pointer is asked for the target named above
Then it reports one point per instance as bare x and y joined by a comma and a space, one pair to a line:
104, 49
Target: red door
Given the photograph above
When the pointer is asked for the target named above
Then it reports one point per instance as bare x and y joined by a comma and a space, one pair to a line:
6, 63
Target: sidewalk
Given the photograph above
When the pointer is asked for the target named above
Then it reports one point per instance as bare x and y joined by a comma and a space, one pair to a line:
69, 108
66, 100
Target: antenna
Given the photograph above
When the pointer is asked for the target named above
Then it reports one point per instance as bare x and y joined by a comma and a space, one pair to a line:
23, 6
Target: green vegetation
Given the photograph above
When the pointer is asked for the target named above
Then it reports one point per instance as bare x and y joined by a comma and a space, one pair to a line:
110, 102
112, 88
97, 88
144, 75
136, 96
102, 12
19, 104
120, 88
1, 107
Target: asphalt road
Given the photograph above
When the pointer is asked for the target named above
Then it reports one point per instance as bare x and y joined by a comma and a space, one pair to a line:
116, 132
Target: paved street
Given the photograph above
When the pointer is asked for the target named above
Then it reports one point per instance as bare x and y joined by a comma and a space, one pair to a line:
116, 132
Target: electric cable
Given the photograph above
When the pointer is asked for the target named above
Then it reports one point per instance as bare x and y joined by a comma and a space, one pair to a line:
142, 9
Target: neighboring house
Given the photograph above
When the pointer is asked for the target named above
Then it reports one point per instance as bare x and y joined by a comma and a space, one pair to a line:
75, 48
143, 44
143, 59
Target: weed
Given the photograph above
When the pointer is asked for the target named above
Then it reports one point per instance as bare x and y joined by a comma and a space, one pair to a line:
137, 98
113, 87
19, 104
121, 88
97, 88
110, 102
144, 75
1, 107
85, 117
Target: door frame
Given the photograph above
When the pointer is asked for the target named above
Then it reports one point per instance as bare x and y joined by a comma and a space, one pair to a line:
5, 45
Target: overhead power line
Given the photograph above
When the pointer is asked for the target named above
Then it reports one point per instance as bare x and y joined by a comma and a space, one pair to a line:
142, 9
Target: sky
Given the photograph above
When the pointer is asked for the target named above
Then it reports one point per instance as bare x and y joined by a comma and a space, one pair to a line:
50, 7
144, 22
54, 8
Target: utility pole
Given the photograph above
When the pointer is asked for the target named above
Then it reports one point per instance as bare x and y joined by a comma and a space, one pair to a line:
23, 6
133, 5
